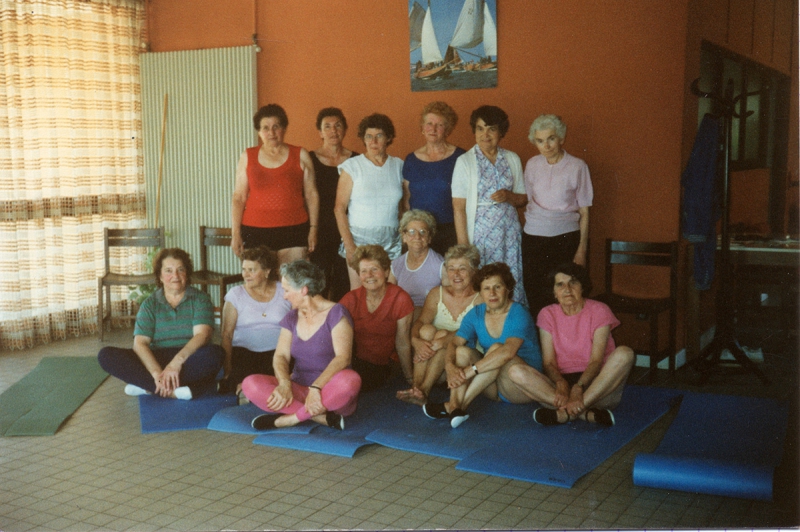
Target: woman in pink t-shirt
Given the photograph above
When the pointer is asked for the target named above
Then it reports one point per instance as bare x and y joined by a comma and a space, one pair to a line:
560, 193
584, 372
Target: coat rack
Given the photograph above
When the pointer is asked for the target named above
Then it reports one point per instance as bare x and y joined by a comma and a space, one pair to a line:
724, 337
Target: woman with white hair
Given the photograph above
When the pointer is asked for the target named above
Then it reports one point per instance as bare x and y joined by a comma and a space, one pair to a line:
559, 190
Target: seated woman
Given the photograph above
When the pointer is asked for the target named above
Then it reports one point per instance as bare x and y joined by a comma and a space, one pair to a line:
504, 330
382, 314
441, 317
318, 335
584, 371
418, 270
172, 354
251, 318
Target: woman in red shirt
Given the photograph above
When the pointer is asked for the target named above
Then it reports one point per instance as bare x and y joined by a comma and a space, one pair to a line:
275, 200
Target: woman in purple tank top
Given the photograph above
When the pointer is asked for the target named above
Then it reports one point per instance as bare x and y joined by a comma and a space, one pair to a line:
318, 335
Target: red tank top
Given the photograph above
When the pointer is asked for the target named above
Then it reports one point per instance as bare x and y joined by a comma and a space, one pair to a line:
275, 196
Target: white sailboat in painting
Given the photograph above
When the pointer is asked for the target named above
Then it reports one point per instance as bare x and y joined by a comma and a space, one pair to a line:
475, 26
423, 35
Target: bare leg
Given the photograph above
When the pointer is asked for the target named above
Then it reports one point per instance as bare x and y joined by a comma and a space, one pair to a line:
462, 396
520, 383
605, 391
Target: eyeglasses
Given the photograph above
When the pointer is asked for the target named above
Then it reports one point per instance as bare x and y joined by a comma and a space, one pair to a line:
414, 232
379, 136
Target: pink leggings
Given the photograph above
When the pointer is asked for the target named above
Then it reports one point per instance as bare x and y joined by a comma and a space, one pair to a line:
340, 395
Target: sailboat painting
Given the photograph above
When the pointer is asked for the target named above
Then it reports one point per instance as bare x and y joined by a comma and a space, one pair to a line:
453, 44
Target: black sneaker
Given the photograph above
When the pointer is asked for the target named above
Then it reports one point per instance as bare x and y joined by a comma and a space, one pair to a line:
334, 420
435, 410
545, 416
264, 421
601, 416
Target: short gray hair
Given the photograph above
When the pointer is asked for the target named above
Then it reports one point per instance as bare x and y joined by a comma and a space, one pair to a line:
418, 215
301, 273
544, 122
464, 251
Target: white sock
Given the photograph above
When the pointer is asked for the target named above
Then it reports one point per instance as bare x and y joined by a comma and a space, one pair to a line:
133, 390
183, 392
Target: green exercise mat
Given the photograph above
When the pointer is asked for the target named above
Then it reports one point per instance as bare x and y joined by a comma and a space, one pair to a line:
38, 404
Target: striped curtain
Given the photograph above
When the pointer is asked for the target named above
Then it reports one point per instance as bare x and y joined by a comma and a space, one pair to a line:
70, 159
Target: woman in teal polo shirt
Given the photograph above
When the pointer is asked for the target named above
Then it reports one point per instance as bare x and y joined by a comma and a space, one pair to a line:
172, 353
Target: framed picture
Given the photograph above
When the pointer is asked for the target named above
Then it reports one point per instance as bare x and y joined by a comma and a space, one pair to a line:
453, 44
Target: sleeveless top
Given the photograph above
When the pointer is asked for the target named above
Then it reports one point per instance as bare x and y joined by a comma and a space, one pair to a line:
444, 320
312, 356
420, 281
275, 197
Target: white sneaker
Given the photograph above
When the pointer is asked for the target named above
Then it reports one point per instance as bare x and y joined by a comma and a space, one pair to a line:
183, 392
133, 390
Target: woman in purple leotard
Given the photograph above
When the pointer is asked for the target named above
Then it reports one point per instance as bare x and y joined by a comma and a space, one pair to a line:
318, 335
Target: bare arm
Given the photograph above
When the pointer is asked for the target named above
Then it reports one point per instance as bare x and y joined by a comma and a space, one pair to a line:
583, 246
460, 219
343, 192
241, 190
404, 201
282, 394
402, 343
311, 196
170, 376
496, 358
229, 317
342, 336
506, 196
550, 367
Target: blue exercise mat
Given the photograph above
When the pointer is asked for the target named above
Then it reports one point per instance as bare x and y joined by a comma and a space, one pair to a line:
237, 419
375, 409
158, 414
720, 445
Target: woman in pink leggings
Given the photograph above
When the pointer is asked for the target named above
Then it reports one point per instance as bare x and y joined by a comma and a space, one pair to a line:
318, 335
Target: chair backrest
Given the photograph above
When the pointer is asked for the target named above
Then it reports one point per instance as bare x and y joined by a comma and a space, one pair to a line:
147, 238
660, 254
212, 236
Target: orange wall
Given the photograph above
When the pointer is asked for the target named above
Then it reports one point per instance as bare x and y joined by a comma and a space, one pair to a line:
613, 70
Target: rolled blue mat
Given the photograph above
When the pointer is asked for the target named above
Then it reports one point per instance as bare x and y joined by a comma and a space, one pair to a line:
696, 475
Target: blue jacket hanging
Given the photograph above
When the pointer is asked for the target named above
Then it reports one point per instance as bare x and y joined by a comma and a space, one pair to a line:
700, 200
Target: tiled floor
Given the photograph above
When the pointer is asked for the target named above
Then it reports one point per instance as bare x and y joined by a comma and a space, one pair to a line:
99, 473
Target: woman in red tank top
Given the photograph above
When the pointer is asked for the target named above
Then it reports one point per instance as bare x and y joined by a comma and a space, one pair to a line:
275, 200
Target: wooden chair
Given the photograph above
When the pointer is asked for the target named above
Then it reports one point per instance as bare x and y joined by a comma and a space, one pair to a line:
214, 236
622, 255
123, 238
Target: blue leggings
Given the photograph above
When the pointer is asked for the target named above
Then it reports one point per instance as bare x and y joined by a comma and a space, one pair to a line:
199, 370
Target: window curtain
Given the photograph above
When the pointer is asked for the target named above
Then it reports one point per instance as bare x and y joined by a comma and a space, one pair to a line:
70, 160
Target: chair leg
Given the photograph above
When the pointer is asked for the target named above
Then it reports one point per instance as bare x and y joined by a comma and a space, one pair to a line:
653, 347
100, 307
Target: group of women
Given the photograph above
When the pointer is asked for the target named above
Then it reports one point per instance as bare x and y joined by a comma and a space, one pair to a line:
445, 311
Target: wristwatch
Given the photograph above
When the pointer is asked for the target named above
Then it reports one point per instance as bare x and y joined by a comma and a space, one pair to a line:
475, 369
582, 385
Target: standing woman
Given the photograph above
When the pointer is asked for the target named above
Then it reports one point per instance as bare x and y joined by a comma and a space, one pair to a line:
487, 189
428, 172
332, 127
369, 197
275, 201
560, 193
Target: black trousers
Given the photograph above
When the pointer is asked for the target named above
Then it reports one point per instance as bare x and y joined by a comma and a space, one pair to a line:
540, 254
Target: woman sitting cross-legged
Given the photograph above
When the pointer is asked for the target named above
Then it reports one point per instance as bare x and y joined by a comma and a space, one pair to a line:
504, 330
318, 335
382, 315
584, 371
441, 317
172, 353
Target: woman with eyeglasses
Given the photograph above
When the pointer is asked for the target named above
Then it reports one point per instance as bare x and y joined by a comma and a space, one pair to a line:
369, 196
418, 270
